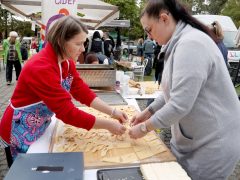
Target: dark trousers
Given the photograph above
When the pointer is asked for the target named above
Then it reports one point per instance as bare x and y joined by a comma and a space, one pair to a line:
8, 156
9, 69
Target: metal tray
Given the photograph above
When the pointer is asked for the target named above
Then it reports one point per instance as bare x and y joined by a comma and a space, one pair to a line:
131, 173
112, 98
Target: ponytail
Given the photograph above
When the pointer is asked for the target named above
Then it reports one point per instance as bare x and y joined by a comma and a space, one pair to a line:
217, 30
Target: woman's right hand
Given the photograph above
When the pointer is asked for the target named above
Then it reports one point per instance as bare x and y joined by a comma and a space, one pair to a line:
140, 117
116, 127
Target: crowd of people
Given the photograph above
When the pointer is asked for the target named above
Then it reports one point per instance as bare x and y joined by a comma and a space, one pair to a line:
98, 49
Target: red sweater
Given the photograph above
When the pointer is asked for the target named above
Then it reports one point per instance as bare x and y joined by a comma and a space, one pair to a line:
40, 81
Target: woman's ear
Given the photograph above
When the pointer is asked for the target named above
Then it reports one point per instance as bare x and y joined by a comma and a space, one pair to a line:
164, 16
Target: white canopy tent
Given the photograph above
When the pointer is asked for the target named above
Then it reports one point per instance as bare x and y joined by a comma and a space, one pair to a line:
94, 13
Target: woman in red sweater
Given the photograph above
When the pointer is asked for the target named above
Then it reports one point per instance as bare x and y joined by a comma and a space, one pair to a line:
46, 86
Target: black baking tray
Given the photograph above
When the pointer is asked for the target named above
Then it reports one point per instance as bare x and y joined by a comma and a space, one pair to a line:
131, 173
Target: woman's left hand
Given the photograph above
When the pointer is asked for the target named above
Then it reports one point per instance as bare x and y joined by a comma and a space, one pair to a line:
120, 116
135, 132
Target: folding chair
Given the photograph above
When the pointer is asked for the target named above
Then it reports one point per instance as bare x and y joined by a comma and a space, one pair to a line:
138, 71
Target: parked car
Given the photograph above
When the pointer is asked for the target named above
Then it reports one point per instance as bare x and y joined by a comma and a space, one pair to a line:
230, 32
129, 47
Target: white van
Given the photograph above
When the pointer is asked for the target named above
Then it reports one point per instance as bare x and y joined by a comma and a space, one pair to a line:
230, 33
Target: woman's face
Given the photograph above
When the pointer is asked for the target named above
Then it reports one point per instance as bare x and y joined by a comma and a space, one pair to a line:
159, 29
75, 46
12, 39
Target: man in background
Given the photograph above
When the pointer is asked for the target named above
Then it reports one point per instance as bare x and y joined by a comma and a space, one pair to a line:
12, 56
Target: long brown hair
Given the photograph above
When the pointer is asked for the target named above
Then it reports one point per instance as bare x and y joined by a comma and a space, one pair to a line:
64, 30
178, 11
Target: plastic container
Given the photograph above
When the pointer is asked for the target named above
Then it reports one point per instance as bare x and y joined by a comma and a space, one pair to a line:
124, 87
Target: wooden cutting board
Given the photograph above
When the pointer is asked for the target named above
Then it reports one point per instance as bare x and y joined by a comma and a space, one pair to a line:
101, 149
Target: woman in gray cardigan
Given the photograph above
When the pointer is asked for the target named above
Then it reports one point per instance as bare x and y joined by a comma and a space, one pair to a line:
199, 101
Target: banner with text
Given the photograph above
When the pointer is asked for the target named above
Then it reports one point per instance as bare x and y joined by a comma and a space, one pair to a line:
53, 9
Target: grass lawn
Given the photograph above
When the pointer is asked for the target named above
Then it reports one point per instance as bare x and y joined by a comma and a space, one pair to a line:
151, 77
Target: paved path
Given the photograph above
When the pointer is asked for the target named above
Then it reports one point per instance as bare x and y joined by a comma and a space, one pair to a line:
6, 93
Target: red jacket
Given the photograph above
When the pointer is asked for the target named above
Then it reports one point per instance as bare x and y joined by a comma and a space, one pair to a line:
40, 81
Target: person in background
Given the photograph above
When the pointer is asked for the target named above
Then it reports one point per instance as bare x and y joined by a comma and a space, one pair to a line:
140, 49
24, 51
91, 58
113, 42
159, 65
33, 46
148, 48
148, 52
157, 50
103, 59
96, 45
217, 29
12, 56
198, 102
40, 46
108, 46
86, 44
51, 80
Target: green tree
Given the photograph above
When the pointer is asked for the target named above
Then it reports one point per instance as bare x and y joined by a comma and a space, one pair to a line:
215, 7
188, 4
9, 23
4, 21
129, 10
232, 9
